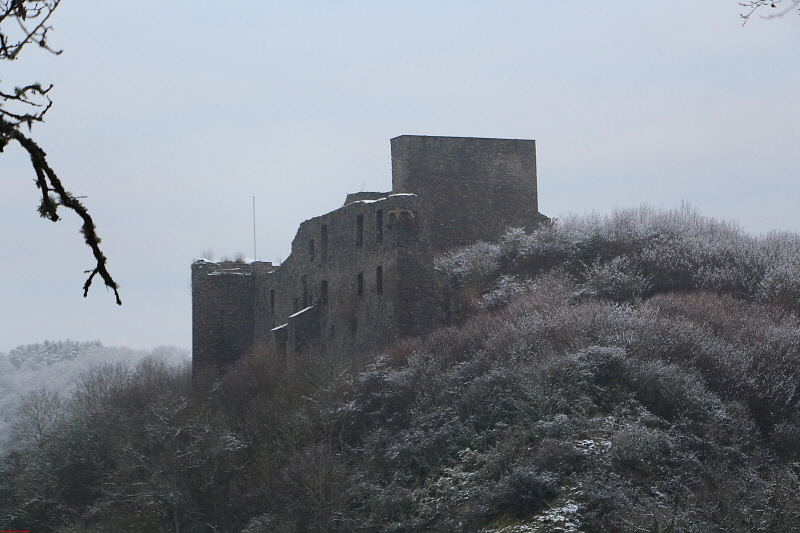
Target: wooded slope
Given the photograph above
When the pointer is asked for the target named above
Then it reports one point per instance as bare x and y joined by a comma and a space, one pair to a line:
637, 372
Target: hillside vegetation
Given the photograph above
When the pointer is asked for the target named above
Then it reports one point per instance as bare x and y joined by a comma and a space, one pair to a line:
631, 373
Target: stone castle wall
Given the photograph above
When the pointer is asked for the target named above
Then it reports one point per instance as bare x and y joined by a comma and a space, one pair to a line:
347, 265
362, 275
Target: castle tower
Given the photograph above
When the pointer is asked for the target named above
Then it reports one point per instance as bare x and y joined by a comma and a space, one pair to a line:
222, 314
471, 189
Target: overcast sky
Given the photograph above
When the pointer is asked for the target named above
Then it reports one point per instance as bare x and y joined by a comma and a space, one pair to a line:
172, 116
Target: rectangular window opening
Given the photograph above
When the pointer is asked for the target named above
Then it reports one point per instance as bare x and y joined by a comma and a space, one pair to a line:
323, 292
272, 302
379, 280
360, 284
379, 225
324, 242
359, 231
311, 253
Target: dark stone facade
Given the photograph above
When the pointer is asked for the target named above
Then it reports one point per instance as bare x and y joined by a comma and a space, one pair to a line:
470, 189
362, 276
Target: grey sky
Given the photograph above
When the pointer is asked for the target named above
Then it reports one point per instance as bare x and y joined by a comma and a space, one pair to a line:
171, 116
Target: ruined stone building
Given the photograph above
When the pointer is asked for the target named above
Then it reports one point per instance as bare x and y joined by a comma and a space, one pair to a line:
363, 275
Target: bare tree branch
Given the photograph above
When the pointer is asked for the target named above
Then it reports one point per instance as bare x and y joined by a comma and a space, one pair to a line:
30, 104
754, 5
38, 11
48, 182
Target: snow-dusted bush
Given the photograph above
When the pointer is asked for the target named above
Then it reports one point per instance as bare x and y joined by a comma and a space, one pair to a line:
478, 260
635, 253
780, 253
618, 280
640, 451
505, 289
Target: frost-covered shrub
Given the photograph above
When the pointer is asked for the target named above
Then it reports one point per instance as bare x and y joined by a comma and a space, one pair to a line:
553, 244
602, 501
704, 255
599, 373
672, 392
619, 280
472, 262
786, 438
780, 282
556, 455
731, 264
266, 523
511, 243
505, 289
641, 252
743, 351
638, 451
380, 397
523, 490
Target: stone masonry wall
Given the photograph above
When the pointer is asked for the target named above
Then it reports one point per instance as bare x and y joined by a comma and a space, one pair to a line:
352, 267
471, 189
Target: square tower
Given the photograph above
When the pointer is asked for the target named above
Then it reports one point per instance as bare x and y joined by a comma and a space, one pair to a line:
471, 189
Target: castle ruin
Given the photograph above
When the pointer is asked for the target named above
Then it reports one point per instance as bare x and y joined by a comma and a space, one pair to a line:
363, 275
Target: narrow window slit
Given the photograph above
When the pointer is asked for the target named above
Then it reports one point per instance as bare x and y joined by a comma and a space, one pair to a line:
359, 231
379, 225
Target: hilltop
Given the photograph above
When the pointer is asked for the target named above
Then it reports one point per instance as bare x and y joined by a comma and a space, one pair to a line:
635, 372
